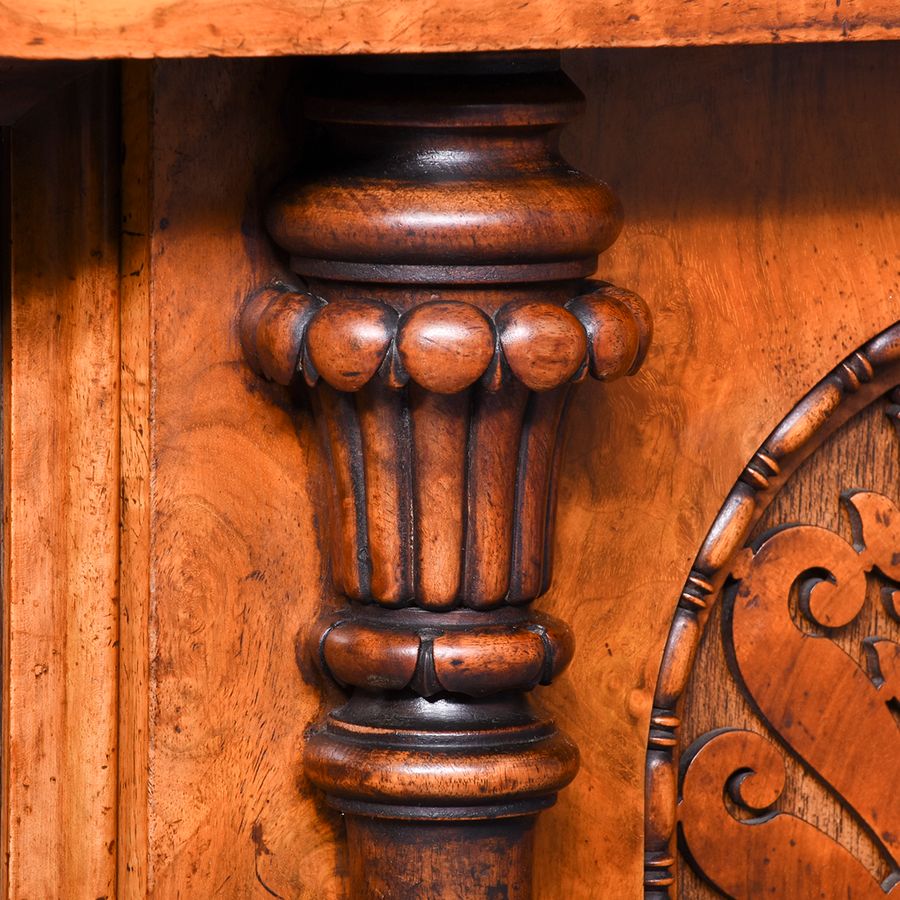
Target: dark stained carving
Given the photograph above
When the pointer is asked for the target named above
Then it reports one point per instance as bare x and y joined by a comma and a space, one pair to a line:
445, 346
855, 383
454, 508
460, 655
443, 324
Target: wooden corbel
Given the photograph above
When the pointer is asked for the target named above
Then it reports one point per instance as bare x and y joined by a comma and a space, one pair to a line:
443, 243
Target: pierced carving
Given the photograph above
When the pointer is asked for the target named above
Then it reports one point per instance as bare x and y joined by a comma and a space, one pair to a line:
855, 383
807, 688
768, 853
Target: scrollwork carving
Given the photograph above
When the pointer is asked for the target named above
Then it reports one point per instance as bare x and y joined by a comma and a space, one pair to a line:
766, 852
815, 696
775, 652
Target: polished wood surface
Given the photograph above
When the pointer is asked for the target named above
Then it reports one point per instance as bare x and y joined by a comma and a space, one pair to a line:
53, 29
827, 709
761, 634
827, 791
444, 241
760, 225
135, 695
61, 495
776, 853
693, 142
760, 188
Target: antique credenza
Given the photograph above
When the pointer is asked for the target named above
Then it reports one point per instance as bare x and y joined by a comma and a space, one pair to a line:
450, 449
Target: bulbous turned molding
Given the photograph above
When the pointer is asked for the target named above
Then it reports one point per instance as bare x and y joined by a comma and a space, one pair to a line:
378, 652
527, 353
445, 319
445, 346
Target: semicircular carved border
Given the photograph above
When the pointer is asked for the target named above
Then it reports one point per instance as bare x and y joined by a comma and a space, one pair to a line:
860, 379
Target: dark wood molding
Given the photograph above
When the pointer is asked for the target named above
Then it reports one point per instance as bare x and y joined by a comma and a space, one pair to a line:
442, 324
860, 379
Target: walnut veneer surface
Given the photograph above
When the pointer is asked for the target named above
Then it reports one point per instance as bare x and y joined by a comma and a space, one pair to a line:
760, 188
759, 196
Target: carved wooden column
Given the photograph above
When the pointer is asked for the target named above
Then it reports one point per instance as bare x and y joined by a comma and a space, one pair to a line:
443, 243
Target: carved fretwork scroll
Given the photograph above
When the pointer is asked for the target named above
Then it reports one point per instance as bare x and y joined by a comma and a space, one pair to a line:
767, 853
791, 785
443, 322
826, 708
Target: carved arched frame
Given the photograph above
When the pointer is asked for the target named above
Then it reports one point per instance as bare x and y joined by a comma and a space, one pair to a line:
860, 379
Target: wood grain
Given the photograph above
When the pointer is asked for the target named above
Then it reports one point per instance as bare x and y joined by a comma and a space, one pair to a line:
61, 498
444, 197
135, 649
223, 496
863, 453
763, 239
855, 382
776, 853
506, 853
182, 28
817, 698
760, 189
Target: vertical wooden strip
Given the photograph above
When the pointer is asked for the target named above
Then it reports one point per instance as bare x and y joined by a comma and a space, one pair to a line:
61, 540
384, 429
440, 425
352, 568
493, 458
134, 611
5, 382
539, 438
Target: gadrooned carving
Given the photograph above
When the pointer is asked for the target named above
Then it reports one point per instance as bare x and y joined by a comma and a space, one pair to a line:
445, 346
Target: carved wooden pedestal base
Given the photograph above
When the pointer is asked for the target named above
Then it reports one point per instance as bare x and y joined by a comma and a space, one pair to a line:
443, 243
